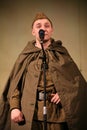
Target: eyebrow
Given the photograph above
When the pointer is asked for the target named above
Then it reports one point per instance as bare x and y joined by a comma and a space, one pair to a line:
44, 23
38, 23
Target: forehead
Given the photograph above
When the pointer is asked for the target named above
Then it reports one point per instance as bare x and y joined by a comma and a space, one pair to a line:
42, 21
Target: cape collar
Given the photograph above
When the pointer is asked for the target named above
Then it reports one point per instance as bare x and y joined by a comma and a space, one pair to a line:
55, 45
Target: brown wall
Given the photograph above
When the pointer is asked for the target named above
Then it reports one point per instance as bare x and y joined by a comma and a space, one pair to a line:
70, 25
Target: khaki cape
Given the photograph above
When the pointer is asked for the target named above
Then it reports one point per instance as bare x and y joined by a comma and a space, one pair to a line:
69, 83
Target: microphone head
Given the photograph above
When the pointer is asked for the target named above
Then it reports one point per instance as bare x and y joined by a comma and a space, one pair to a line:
41, 34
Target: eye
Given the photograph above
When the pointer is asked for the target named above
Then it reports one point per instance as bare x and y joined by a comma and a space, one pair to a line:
47, 25
38, 25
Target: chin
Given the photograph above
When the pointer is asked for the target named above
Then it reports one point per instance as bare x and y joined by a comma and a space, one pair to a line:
46, 40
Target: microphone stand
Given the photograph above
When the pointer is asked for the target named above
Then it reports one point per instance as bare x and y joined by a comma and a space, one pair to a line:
44, 67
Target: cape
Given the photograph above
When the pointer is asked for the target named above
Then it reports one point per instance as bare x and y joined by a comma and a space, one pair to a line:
72, 88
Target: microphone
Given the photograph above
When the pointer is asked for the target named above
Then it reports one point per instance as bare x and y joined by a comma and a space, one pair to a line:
41, 34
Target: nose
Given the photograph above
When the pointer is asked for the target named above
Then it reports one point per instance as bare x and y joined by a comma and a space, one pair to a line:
43, 28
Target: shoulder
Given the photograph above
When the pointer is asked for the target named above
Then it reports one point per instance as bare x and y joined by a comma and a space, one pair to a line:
28, 47
58, 46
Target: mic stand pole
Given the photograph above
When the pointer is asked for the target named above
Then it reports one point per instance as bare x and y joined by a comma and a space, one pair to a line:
44, 67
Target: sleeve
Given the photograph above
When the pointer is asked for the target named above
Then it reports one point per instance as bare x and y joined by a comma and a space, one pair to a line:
15, 99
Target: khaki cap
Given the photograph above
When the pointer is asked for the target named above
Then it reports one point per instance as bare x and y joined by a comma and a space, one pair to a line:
41, 15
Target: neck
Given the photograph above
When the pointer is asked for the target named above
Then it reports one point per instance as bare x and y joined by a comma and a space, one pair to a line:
45, 43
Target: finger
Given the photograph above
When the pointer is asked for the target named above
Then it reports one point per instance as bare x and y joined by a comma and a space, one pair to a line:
52, 97
21, 119
55, 98
15, 120
18, 119
57, 101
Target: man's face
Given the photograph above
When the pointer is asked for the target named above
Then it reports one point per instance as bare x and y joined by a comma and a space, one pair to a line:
45, 25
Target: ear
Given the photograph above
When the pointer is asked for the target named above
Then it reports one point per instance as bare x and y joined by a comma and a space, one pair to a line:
33, 33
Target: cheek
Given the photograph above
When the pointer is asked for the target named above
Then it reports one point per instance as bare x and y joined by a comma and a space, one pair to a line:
34, 33
50, 33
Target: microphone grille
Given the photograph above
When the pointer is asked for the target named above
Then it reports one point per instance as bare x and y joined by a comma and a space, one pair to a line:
41, 34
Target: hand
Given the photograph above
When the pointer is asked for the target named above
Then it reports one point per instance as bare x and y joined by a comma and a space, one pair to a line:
16, 115
55, 98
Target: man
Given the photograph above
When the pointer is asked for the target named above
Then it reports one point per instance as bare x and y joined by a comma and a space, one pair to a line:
65, 86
